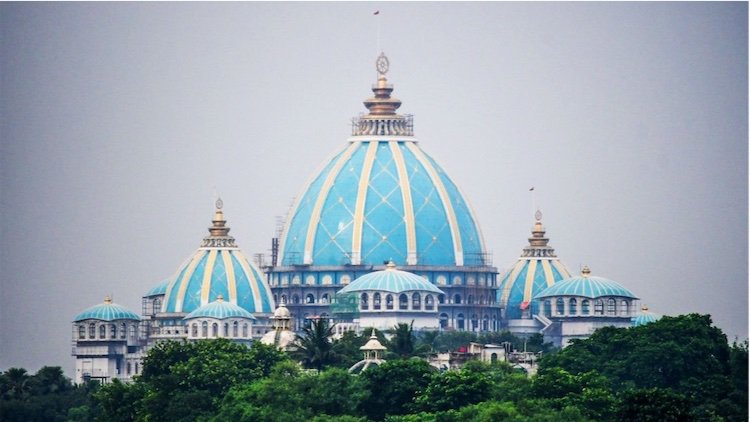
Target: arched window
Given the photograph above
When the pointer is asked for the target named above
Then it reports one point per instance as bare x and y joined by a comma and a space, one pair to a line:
129, 368
559, 306
573, 306
429, 302
295, 300
624, 308
112, 331
102, 331
481, 299
548, 307
474, 322
388, 301
470, 299
493, 357
485, 323
598, 307
235, 329
416, 301
324, 299
226, 329
157, 305
309, 299
363, 301
460, 321
403, 302
214, 330
195, 330
244, 330
132, 331
611, 307
443, 320
376, 301
204, 329
283, 299
457, 299
81, 331
123, 331
585, 307
441, 299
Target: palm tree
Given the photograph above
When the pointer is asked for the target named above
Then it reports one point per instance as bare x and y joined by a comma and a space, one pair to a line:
17, 382
314, 346
402, 342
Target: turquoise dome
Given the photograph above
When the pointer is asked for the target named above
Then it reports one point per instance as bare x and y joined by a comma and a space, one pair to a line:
537, 269
381, 198
644, 317
586, 286
159, 289
107, 311
218, 268
391, 280
219, 309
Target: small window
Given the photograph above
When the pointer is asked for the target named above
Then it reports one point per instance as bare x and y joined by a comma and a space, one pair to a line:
310, 299
573, 306
585, 307
376, 301
226, 329
559, 306
598, 307
235, 329
92, 330
443, 320
123, 330
416, 301
129, 368
457, 299
157, 305
244, 330
624, 308
460, 321
474, 322
214, 330
295, 299
389, 302
470, 300
363, 301
81, 331
441, 299
102, 331
429, 303
485, 323
324, 299
548, 307
611, 307
194, 332
112, 331
204, 329
403, 302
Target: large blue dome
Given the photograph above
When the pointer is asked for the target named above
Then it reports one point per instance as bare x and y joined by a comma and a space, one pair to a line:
381, 199
218, 268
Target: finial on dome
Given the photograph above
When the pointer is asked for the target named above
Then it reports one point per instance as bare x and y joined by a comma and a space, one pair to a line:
220, 298
644, 308
585, 271
390, 265
538, 215
372, 335
108, 299
219, 204
382, 64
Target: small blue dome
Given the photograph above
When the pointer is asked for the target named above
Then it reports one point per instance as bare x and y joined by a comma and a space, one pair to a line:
586, 286
159, 289
219, 309
218, 268
391, 280
537, 269
107, 311
644, 317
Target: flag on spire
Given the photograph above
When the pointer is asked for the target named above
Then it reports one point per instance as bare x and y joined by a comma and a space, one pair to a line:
377, 12
532, 188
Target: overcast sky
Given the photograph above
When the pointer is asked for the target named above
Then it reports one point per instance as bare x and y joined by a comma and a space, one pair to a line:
120, 122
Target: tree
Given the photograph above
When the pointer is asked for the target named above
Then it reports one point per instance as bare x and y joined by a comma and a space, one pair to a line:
314, 346
454, 389
654, 405
15, 383
392, 387
402, 344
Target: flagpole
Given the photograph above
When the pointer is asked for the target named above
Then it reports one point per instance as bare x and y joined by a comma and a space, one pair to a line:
377, 19
533, 200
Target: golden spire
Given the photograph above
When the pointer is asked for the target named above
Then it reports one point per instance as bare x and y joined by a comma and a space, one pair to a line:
218, 232
538, 244
382, 118
108, 300
220, 298
585, 271
390, 266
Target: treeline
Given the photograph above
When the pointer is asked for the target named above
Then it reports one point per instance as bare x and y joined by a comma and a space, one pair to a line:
676, 369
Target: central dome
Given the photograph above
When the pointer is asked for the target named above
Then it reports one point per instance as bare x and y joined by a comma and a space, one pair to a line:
379, 199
